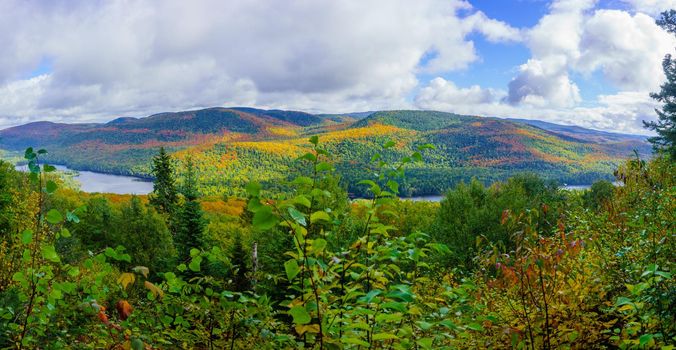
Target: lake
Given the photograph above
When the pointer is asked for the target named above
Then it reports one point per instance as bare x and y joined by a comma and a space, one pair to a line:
106, 183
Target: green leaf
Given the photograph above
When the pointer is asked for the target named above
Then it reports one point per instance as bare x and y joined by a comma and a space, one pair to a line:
297, 216
314, 140
389, 144
318, 244
395, 306
424, 325
320, 216
264, 219
302, 200
42, 151
384, 336
300, 315
54, 216
622, 301
27, 236
73, 271
253, 189
195, 264
475, 327
302, 180
72, 217
65, 233
19, 277
51, 186
393, 185
323, 166
292, 269
308, 156
645, 339
369, 297
29, 154
49, 253
401, 292
48, 168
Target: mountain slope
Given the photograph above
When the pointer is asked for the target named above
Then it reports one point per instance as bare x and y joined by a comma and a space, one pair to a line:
232, 146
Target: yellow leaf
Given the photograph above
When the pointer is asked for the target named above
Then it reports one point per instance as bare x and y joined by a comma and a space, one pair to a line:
153, 289
126, 279
626, 307
309, 328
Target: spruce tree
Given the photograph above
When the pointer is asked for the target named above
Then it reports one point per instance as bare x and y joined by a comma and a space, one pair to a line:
666, 115
190, 221
239, 259
164, 196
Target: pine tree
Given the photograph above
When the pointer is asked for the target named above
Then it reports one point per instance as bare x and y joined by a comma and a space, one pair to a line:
190, 222
666, 116
164, 196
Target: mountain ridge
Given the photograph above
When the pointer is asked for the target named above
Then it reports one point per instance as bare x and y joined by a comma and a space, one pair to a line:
231, 146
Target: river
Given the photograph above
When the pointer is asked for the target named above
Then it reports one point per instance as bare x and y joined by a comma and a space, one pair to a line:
106, 183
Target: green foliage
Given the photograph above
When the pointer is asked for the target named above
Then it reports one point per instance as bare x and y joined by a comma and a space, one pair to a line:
470, 215
189, 222
519, 264
165, 196
599, 195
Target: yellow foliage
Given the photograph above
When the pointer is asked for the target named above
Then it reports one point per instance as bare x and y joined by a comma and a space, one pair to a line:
278, 131
372, 130
279, 148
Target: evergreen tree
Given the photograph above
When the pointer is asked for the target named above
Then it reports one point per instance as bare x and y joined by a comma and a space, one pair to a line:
666, 116
239, 259
164, 196
190, 221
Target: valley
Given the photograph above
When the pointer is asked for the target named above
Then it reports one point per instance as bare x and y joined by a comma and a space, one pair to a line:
232, 146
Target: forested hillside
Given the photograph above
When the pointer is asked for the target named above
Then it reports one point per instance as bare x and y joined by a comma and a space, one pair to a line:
518, 264
232, 146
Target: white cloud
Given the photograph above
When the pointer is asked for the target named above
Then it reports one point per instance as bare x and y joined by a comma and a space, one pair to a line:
651, 7
574, 37
119, 57
495, 31
543, 83
554, 44
441, 94
623, 111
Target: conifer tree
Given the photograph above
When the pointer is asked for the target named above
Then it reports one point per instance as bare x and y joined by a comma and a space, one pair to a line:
666, 115
164, 196
239, 259
190, 221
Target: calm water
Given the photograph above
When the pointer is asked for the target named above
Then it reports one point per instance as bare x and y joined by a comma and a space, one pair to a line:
106, 183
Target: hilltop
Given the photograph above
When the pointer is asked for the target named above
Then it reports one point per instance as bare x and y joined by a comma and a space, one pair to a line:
231, 146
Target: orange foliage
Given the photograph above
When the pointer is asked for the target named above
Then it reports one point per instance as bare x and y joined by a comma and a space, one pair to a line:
124, 309
231, 207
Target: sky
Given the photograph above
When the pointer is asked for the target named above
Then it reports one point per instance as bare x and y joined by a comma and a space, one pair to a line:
590, 63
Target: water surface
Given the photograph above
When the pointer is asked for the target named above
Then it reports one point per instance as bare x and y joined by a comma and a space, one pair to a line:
90, 181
